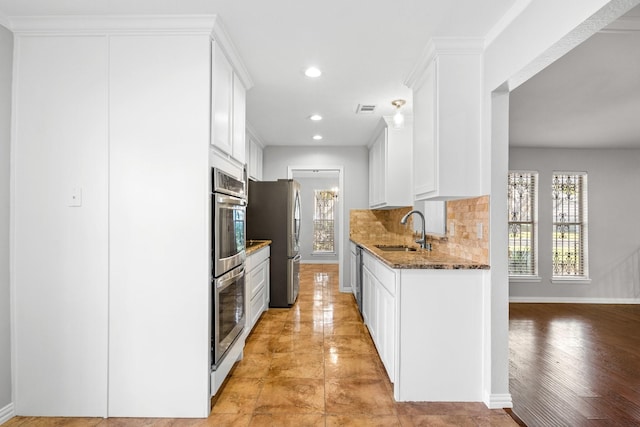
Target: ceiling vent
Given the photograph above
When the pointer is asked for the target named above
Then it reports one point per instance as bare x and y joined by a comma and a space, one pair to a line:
365, 109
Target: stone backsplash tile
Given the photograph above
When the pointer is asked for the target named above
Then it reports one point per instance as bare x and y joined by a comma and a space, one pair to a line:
380, 226
465, 215
383, 227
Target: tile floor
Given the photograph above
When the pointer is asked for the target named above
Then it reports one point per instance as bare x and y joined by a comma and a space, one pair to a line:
311, 365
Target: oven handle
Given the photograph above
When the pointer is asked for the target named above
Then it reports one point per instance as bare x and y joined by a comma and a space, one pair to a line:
297, 258
230, 200
228, 278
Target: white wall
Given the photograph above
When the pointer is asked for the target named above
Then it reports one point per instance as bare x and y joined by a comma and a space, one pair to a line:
307, 194
355, 163
6, 64
613, 234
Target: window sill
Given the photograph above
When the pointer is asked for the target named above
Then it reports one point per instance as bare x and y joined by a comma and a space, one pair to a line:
571, 280
525, 279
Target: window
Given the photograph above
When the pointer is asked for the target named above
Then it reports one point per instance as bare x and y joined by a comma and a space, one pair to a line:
523, 228
323, 221
569, 200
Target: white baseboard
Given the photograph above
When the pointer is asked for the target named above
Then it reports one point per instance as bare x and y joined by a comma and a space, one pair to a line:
7, 413
574, 300
319, 261
498, 401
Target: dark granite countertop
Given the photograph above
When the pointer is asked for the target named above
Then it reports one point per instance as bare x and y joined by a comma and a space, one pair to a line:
252, 246
420, 259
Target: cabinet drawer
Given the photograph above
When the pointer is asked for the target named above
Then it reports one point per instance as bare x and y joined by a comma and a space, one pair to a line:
256, 258
385, 275
257, 280
257, 306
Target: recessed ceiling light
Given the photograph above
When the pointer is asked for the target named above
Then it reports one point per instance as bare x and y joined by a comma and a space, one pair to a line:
312, 72
317, 137
315, 117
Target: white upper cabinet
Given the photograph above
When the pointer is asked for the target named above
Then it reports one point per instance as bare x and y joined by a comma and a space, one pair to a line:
239, 120
222, 101
229, 84
390, 166
447, 135
254, 156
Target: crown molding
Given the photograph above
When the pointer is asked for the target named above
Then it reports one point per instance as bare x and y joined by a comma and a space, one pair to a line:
440, 46
220, 36
131, 25
112, 24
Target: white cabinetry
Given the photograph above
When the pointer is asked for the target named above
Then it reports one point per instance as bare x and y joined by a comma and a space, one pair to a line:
60, 287
228, 109
115, 287
379, 291
221, 101
427, 327
447, 103
254, 157
353, 266
159, 268
257, 286
390, 166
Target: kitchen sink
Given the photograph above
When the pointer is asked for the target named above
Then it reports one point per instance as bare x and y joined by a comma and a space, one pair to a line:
396, 248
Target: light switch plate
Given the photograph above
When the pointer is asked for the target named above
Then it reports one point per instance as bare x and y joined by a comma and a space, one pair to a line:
75, 197
479, 230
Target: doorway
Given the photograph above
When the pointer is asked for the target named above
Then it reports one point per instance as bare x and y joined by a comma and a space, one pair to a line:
321, 233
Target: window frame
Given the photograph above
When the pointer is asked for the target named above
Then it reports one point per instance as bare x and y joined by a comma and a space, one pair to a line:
582, 223
533, 276
333, 219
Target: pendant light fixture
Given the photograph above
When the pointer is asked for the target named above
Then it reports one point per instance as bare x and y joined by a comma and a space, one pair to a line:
398, 117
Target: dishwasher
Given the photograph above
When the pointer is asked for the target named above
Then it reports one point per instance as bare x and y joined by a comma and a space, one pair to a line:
358, 291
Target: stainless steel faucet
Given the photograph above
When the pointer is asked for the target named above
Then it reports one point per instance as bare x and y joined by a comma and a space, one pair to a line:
422, 241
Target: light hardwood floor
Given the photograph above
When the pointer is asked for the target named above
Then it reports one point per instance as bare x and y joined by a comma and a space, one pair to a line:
575, 364
312, 365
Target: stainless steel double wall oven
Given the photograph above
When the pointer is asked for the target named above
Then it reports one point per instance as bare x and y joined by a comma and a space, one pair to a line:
228, 228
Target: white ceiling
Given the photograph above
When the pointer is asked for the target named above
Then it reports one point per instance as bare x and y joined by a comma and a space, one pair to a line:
366, 49
589, 98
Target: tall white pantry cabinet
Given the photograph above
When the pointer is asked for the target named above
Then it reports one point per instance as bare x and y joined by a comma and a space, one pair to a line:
110, 215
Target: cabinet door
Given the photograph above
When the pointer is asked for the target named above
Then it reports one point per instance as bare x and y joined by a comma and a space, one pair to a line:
377, 171
60, 253
239, 119
352, 269
366, 296
259, 154
257, 284
254, 159
386, 330
158, 132
424, 136
222, 101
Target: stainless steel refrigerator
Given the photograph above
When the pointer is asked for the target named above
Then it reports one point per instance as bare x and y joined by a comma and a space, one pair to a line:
273, 213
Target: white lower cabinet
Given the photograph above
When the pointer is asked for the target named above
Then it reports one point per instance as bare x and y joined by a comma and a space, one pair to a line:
379, 284
257, 286
352, 267
427, 327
